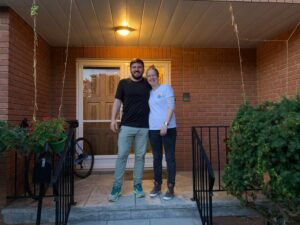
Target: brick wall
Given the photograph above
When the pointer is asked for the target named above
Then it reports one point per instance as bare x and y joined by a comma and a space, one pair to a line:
277, 74
4, 52
21, 88
211, 76
16, 86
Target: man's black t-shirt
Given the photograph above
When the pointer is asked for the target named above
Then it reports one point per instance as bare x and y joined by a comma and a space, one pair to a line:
134, 96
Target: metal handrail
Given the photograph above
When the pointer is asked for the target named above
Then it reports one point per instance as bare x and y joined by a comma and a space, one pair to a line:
203, 179
214, 142
63, 179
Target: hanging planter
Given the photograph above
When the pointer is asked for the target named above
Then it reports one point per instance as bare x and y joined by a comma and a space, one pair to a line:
58, 146
49, 131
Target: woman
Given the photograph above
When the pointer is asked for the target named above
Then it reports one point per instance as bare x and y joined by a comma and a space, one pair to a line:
162, 131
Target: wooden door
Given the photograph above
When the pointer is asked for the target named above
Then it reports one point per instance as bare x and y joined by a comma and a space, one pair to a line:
99, 87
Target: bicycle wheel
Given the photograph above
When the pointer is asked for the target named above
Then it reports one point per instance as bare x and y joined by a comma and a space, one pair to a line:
83, 158
35, 175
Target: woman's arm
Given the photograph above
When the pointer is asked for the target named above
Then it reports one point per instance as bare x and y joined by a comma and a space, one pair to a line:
171, 106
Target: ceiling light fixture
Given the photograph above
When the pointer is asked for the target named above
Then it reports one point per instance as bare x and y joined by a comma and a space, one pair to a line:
123, 30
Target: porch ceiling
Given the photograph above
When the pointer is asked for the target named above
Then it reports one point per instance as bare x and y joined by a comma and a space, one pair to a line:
159, 23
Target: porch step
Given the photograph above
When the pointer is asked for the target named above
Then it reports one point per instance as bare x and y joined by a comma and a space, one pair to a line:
129, 207
92, 204
129, 210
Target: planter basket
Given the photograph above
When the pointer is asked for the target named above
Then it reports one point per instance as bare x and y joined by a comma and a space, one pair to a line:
58, 146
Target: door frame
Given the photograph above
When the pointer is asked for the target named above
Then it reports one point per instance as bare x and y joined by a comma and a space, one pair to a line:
107, 162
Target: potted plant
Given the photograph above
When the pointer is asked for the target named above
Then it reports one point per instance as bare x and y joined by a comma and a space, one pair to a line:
264, 145
48, 131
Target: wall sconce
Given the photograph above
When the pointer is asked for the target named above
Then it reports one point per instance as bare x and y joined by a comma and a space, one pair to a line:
123, 30
186, 97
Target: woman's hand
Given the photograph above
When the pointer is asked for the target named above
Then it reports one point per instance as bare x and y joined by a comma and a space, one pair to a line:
163, 130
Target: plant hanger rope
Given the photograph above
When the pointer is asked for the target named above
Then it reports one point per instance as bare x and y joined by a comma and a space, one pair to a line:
287, 52
287, 59
34, 12
234, 24
60, 110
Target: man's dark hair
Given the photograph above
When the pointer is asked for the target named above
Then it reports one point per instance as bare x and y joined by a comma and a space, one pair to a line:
137, 60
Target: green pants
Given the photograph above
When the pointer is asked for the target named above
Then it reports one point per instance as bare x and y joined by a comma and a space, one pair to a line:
127, 137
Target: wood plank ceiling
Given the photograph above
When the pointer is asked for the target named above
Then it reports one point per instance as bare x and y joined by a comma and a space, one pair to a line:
159, 23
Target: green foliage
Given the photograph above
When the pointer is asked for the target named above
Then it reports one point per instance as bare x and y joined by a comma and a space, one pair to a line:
47, 131
33, 138
34, 10
13, 138
264, 143
3, 131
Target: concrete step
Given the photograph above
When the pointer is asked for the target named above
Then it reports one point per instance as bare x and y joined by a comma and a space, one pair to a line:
128, 208
157, 221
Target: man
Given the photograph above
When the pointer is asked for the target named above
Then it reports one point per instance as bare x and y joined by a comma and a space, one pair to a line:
133, 93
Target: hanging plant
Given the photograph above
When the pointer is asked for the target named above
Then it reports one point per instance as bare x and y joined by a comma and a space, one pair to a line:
49, 131
13, 138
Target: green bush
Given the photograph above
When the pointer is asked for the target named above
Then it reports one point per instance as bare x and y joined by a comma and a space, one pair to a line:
264, 143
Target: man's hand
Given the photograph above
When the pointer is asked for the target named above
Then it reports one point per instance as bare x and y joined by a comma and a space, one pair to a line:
115, 110
114, 126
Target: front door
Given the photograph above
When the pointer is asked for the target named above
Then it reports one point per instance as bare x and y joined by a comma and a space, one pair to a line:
97, 82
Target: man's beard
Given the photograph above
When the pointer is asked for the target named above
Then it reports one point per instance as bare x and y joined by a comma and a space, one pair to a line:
137, 76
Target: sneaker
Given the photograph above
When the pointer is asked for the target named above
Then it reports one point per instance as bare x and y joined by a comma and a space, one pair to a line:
115, 194
156, 190
170, 192
138, 191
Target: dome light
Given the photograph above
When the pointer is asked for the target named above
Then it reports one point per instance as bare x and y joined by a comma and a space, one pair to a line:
123, 30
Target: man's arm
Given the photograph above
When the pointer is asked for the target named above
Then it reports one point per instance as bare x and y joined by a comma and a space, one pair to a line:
115, 111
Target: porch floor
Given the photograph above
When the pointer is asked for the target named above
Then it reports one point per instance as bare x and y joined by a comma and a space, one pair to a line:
95, 189
91, 197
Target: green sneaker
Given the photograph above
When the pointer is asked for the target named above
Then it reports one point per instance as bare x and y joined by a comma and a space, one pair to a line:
138, 191
115, 194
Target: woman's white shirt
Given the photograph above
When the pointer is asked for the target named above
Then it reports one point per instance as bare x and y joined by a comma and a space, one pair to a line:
160, 100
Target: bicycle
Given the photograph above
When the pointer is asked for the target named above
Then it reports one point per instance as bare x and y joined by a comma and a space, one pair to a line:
39, 166
83, 158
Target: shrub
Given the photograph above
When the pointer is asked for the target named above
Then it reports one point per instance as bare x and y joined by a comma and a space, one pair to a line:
264, 143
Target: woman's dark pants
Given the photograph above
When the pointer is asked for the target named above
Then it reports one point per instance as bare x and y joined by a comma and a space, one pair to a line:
158, 143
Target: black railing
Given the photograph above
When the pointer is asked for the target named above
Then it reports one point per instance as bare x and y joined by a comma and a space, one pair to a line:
63, 180
213, 140
203, 180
